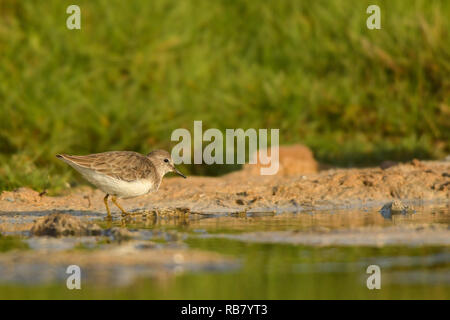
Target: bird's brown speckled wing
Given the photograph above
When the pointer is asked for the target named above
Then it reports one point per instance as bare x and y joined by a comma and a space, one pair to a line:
123, 165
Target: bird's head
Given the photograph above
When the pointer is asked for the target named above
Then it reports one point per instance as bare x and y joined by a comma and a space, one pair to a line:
163, 162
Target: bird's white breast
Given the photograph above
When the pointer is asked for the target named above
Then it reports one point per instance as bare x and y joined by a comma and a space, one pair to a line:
117, 187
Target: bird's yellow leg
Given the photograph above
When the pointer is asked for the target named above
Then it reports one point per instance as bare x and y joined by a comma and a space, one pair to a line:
114, 199
105, 200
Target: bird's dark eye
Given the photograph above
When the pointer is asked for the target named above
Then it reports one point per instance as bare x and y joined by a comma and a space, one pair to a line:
166, 160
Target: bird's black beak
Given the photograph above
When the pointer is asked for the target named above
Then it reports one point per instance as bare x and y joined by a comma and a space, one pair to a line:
178, 172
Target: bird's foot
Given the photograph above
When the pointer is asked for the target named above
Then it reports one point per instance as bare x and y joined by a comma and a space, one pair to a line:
125, 214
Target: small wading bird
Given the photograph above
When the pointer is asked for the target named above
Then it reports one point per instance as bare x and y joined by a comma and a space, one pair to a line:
123, 174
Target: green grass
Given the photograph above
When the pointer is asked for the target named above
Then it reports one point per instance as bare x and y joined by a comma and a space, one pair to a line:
138, 70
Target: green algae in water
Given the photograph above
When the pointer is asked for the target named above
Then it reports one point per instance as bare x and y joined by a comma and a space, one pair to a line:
8, 243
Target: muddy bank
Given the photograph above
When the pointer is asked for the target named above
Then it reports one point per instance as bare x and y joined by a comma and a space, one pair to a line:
419, 181
405, 235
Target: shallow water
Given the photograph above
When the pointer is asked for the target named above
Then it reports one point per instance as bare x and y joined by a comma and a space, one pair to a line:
312, 255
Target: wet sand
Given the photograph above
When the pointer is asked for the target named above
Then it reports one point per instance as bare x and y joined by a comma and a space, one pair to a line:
416, 182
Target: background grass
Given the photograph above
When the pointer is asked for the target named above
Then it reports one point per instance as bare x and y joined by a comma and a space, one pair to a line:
137, 70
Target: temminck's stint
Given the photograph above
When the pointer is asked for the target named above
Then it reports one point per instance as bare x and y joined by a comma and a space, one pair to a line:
123, 174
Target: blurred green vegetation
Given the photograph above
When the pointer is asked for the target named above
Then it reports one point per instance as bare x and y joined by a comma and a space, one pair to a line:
137, 70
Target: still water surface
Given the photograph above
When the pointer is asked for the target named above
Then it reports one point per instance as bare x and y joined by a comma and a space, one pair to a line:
266, 268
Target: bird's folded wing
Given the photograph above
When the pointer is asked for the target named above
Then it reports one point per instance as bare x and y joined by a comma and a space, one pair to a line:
123, 165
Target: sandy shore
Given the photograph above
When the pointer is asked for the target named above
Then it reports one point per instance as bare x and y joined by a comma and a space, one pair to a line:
416, 181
